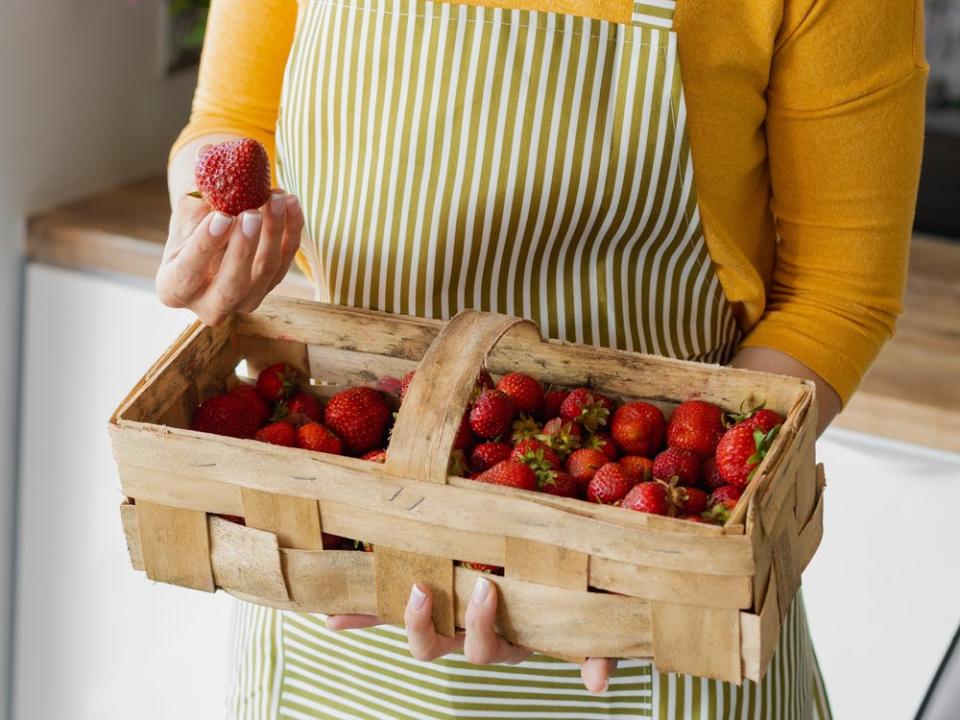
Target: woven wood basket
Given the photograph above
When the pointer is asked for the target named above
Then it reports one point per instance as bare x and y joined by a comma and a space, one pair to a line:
581, 580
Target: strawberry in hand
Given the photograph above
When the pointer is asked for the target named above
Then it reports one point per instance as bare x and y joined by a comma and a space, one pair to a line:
234, 176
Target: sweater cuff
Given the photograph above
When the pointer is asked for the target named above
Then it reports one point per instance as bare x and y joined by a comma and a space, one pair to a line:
836, 348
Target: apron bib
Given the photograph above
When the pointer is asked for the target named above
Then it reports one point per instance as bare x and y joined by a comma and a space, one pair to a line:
531, 160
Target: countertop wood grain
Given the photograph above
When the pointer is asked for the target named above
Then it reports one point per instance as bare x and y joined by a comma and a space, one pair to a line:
912, 393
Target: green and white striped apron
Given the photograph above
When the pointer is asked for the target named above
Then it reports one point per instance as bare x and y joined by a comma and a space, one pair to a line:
522, 160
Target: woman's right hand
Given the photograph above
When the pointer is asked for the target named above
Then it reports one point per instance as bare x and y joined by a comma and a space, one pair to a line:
215, 264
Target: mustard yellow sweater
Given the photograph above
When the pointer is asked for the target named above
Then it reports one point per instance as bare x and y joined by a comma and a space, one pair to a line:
806, 127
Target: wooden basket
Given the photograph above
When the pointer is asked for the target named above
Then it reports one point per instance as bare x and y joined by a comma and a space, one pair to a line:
698, 599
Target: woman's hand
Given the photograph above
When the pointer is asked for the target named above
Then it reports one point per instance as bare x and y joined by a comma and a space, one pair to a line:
479, 643
215, 264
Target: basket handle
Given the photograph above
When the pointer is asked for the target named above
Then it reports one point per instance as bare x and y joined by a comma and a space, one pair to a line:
433, 407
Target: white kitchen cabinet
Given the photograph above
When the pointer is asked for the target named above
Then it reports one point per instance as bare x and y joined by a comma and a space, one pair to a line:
883, 591
94, 639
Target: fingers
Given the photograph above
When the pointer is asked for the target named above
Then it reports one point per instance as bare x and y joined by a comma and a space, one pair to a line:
266, 262
422, 637
232, 282
596, 673
292, 233
186, 272
482, 645
351, 622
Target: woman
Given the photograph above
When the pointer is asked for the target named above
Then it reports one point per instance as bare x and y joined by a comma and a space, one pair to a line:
536, 157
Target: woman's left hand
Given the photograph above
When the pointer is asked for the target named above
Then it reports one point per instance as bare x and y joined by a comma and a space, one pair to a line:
479, 643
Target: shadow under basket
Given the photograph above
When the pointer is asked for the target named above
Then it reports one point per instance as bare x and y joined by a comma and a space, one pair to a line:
580, 579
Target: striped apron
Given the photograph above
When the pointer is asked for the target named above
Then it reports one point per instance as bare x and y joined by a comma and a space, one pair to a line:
520, 159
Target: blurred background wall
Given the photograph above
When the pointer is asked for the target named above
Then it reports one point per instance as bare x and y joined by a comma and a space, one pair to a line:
84, 104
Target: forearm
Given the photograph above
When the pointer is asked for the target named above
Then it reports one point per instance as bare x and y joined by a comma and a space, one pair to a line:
774, 361
180, 169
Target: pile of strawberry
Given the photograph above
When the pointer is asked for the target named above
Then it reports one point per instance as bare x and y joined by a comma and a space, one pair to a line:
574, 443
577, 443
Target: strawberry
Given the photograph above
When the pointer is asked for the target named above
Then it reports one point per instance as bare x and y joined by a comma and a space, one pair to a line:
277, 381
690, 500
316, 437
485, 455
236, 519
302, 407
609, 485
525, 391
584, 463
524, 427
536, 454
562, 437
335, 542
510, 473
721, 503
377, 456
359, 416
483, 382
258, 405
693, 517
482, 567
492, 414
764, 420
740, 451
405, 383
234, 176
464, 439
552, 400
589, 408
558, 482
677, 463
711, 474
603, 442
638, 469
278, 433
649, 497
229, 415
696, 426
638, 428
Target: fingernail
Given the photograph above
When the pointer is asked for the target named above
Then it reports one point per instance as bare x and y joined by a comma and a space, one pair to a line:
417, 598
220, 223
250, 224
480, 590
293, 205
276, 203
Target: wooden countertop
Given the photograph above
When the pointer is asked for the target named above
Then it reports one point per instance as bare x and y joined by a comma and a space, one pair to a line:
912, 393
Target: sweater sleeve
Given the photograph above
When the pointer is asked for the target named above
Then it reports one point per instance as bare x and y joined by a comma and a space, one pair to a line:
241, 72
844, 132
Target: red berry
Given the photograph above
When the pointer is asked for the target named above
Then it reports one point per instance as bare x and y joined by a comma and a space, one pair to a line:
377, 456
603, 442
690, 499
258, 405
552, 400
278, 433
638, 428
740, 451
234, 176
510, 473
316, 437
584, 463
586, 407
303, 407
764, 420
537, 455
405, 383
638, 469
229, 415
722, 501
562, 484
649, 497
562, 437
525, 391
677, 463
696, 426
486, 455
609, 485
492, 414
711, 474
277, 381
464, 439
359, 416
